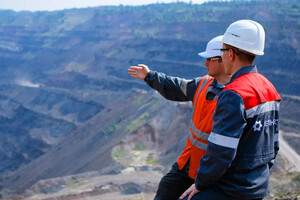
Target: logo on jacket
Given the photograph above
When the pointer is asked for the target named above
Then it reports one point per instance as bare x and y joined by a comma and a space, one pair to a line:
257, 126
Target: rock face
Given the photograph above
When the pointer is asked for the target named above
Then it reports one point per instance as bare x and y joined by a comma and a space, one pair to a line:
68, 106
97, 144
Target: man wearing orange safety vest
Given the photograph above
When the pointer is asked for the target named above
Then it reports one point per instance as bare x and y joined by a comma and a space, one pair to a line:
203, 92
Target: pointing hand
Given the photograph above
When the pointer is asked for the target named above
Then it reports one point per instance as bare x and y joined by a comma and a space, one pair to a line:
139, 71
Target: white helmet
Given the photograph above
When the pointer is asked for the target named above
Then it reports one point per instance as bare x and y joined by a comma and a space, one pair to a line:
212, 48
246, 35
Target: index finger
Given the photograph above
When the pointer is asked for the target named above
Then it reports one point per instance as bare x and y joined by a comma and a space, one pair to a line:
135, 67
184, 194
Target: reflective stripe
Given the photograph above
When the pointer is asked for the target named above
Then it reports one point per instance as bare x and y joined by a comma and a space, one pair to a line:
276, 137
201, 87
198, 133
197, 143
262, 108
183, 86
224, 141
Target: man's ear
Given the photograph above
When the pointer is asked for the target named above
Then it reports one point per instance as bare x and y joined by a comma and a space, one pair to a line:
231, 55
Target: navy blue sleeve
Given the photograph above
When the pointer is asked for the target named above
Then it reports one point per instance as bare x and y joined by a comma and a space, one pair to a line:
172, 88
229, 122
276, 144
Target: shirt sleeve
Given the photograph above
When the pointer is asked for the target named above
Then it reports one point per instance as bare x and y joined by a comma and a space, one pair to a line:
172, 88
229, 122
276, 145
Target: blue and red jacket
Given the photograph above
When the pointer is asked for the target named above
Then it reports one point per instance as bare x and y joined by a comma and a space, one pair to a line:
244, 139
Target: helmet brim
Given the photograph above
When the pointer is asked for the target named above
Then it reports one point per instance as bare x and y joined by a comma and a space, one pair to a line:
220, 39
208, 55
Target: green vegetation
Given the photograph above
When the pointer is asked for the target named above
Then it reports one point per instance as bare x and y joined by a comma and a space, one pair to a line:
114, 125
150, 160
124, 158
279, 194
284, 193
294, 195
298, 24
179, 36
297, 177
135, 124
287, 122
139, 147
118, 154
292, 176
112, 128
74, 181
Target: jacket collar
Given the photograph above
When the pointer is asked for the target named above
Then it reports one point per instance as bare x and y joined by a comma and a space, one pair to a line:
243, 70
215, 84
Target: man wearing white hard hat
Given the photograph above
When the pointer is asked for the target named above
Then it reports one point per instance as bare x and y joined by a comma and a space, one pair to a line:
203, 92
244, 139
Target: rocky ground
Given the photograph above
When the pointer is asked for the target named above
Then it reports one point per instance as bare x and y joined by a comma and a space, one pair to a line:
129, 185
139, 180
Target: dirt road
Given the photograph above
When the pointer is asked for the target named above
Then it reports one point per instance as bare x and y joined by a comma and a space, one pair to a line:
290, 154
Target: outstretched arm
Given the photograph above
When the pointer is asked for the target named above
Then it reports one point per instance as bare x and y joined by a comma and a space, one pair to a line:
139, 71
172, 88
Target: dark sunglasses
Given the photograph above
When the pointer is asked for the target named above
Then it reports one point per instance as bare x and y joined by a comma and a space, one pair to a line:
228, 50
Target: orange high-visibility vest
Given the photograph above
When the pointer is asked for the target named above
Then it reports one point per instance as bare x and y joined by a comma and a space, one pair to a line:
200, 129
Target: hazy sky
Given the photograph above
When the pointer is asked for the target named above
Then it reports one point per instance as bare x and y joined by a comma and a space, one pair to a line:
34, 5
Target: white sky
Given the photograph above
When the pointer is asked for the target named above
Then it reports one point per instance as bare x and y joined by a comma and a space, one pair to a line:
50, 5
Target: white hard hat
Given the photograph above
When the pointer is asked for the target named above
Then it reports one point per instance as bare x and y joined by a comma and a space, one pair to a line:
212, 48
246, 35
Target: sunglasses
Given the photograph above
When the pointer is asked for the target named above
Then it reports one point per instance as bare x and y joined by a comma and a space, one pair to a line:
222, 50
